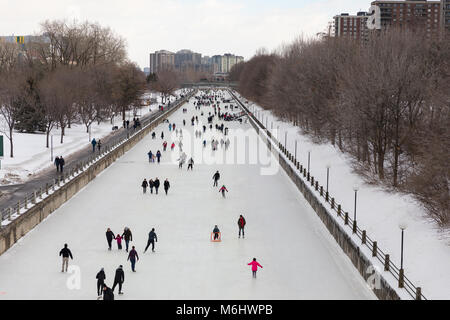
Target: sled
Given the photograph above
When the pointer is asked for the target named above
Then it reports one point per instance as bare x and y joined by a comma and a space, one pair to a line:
217, 240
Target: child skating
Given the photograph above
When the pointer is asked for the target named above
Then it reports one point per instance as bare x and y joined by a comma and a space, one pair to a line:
255, 266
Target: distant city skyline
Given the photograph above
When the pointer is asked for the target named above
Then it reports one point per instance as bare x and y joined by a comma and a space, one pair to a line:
207, 26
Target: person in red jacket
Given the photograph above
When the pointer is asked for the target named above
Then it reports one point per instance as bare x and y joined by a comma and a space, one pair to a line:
255, 266
119, 241
241, 224
223, 189
172, 146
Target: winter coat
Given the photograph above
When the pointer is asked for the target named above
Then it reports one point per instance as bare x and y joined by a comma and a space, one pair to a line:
144, 184
156, 183
216, 230
255, 265
101, 276
152, 236
241, 222
151, 183
108, 294
57, 161
65, 252
119, 239
166, 185
110, 235
150, 155
127, 235
120, 276
158, 154
216, 176
223, 189
133, 254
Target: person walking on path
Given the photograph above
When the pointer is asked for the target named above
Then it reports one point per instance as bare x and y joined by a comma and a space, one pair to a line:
216, 178
119, 238
190, 164
156, 184
152, 238
109, 237
223, 189
65, 253
158, 156
255, 266
127, 236
119, 279
144, 185
61, 163
132, 256
99, 145
241, 223
57, 163
100, 281
166, 186
93, 142
108, 294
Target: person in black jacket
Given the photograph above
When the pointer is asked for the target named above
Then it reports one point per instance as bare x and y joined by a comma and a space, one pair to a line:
216, 178
109, 237
65, 253
241, 225
166, 186
151, 184
144, 185
158, 156
156, 184
108, 294
100, 281
127, 236
151, 240
57, 164
119, 279
61, 163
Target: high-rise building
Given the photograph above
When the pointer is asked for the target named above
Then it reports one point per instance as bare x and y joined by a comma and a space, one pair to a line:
445, 15
414, 14
161, 59
185, 59
351, 26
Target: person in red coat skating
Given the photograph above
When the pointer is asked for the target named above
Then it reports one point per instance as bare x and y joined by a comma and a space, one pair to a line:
119, 241
172, 146
223, 189
255, 266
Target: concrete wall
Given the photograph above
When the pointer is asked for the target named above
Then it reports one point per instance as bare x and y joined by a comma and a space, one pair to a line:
350, 248
17, 228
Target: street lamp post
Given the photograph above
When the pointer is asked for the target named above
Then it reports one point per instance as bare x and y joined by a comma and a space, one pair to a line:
355, 188
328, 178
295, 152
309, 160
51, 148
401, 274
285, 139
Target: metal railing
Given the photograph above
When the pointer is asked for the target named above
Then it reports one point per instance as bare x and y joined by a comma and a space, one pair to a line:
31, 199
343, 216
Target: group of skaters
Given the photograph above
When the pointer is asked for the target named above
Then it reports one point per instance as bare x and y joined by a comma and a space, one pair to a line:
127, 237
154, 184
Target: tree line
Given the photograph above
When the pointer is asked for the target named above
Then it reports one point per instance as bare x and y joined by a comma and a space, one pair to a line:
384, 101
73, 73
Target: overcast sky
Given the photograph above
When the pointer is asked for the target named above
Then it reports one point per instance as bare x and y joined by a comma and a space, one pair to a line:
206, 26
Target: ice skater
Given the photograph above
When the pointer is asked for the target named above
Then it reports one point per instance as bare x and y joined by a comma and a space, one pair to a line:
216, 178
100, 281
109, 237
119, 238
152, 238
156, 185
166, 186
255, 266
133, 257
241, 223
127, 236
119, 279
216, 232
144, 185
65, 253
190, 164
223, 189
107, 293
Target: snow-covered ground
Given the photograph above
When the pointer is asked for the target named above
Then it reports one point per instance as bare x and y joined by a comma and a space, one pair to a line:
426, 246
31, 155
300, 259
